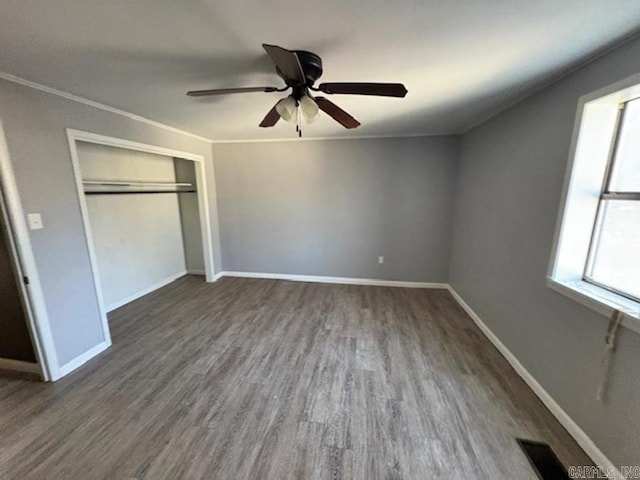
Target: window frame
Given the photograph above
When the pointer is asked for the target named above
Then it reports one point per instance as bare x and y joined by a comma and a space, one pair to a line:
589, 169
607, 195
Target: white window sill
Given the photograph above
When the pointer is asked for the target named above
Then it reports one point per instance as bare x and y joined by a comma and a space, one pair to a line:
599, 299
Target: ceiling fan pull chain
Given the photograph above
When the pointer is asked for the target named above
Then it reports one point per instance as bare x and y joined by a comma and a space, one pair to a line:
300, 69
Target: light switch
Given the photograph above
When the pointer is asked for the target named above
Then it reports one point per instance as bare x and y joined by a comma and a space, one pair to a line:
35, 221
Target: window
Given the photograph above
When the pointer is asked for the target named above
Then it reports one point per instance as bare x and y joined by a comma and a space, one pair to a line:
614, 255
596, 252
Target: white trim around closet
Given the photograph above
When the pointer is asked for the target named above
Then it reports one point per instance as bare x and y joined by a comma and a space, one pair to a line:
74, 136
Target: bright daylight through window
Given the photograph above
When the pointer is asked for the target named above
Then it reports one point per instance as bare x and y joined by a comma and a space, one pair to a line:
614, 256
596, 251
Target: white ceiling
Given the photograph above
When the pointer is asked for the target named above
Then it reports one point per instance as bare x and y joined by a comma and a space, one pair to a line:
461, 61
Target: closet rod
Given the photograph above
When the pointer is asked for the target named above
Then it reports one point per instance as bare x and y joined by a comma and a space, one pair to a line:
117, 183
136, 192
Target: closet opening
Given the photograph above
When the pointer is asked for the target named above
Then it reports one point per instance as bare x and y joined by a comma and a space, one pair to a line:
17, 349
145, 214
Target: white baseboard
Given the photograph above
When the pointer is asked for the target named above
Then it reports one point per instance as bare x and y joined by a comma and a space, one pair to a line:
590, 448
83, 358
146, 291
338, 280
218, 276
196, 272
19, 366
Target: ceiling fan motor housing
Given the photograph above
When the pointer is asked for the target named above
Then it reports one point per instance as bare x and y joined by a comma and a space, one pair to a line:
311, 66
300, 69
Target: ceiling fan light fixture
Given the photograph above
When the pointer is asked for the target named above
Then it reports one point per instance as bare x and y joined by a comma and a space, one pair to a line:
309, 108
300, 69
286, 108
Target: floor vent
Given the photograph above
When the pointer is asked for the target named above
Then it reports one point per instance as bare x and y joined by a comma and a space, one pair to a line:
543, 460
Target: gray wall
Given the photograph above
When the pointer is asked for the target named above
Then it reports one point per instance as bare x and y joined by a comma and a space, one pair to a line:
185, 172
15, 342
511, 177
137, 238
35, 124
332, 207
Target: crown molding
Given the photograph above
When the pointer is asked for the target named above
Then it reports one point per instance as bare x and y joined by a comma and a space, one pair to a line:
101, 106
603, 52
315, 139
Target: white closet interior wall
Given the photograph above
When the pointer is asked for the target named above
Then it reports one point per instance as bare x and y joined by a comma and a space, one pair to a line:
141, 241
189, 214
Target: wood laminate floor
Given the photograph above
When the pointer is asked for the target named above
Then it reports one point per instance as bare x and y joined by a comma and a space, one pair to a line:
264, 379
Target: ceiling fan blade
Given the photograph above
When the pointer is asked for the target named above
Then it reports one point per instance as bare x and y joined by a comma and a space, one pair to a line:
379, 89
222, 91
270, 118
335, 112
288, 63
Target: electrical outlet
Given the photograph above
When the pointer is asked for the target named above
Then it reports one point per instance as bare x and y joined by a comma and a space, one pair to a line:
35, 221
380, 260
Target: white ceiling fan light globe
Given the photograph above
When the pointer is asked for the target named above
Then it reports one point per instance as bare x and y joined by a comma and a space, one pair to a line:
286, 108
309, 108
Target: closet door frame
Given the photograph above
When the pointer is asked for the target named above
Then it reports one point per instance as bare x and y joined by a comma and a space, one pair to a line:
74, 136
24, 262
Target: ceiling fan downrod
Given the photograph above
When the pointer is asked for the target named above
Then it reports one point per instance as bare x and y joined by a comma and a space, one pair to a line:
300, 69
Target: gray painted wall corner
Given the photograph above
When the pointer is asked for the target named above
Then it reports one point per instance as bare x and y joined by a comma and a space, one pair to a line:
331, 207
509, 189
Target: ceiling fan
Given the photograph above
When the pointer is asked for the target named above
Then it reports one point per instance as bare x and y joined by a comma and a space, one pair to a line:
300, 69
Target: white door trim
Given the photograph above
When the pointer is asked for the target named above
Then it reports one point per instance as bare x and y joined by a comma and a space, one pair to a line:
20, 244
74, 136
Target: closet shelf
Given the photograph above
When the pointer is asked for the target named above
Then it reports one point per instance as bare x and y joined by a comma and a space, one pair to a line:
119, 187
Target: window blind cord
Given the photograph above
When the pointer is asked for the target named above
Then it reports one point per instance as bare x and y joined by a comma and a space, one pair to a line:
609, 346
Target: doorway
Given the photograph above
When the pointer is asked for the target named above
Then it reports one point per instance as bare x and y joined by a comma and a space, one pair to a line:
26, 343
135, 201
16, 345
